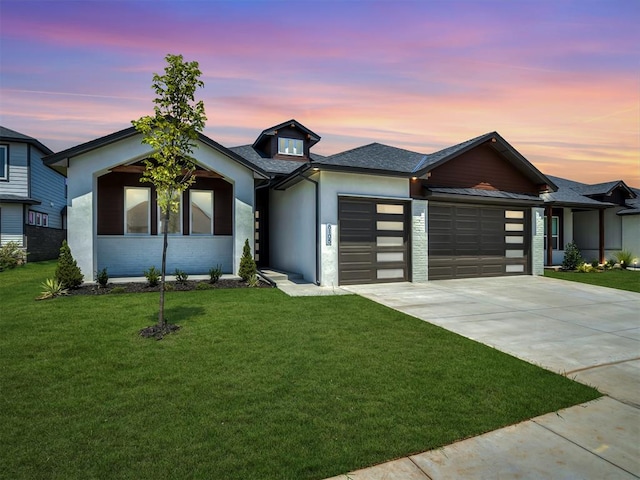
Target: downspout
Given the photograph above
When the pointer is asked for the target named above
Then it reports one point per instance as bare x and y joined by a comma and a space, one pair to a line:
317, 282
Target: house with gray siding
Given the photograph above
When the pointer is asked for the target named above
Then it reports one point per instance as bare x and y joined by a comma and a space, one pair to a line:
32, 197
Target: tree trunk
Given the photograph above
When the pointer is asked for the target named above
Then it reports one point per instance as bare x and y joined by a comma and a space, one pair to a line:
165, 243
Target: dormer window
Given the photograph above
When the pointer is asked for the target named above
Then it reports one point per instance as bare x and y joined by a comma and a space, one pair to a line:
290, 146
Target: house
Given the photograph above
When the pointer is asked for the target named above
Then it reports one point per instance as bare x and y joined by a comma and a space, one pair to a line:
375, 213
32, 197
601, 219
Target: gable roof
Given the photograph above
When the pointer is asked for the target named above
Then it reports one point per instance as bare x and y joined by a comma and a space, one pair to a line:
8, 135
272, 131
61, 159
376, 157
271, 165
576, 194
632, 204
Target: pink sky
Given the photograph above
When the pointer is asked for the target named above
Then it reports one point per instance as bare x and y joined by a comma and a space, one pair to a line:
559, 80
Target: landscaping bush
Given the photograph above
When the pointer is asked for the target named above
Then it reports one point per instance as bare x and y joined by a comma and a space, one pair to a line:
181, 276
247, 263
215, 274
11, 256
625, 258
102, 277
52, 288
153, 276
67, 272
572, 257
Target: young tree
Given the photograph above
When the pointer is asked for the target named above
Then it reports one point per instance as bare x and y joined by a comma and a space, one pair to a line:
172, 132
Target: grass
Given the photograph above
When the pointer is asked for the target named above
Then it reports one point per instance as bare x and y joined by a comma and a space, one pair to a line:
255, 385
620, 279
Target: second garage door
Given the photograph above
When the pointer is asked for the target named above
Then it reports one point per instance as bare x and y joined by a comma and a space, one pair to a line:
467, 241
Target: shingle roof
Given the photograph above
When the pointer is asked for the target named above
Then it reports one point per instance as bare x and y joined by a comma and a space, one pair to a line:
633, 204
476, 192
376, 156
8, 135
270, 165
570, 193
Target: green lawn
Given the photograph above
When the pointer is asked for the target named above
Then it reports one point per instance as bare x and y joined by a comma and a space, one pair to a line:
256, 385
620, 279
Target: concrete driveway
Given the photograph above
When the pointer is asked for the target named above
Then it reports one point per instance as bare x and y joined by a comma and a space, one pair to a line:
589, 333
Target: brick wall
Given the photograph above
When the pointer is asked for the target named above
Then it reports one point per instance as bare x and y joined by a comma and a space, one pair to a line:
43, 243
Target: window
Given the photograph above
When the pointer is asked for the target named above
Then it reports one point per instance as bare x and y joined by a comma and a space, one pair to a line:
45, 220
290, 146
4, 162
554, 232
175, 218
137, 210
201, 212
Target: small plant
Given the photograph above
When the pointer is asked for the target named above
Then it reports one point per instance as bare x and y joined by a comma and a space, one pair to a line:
625, 258
609, 264
215, 273
572, 257
11, 256
181, 276
595, 263
102, 277
247, 263
585, 268
117, 290
67, 272
52, 288
168, 287
203, 286
153, 276
253, 281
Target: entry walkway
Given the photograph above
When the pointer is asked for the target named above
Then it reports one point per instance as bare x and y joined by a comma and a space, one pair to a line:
589, 333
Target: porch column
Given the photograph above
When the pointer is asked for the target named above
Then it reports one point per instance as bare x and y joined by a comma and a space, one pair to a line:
549, 214
601, 235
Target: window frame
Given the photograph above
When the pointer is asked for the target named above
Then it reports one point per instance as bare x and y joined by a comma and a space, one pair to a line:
4, 162
285, 150
191, 232
555, 239
148, 191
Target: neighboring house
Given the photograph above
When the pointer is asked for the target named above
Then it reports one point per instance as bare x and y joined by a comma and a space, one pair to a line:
601, 219
32, 197
372, 214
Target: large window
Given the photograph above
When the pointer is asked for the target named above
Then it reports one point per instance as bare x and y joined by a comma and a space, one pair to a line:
554, 232
290, 146
137, 210
201, 212
175, 218
4, 162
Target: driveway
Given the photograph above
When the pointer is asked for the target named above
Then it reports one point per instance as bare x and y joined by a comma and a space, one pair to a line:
589, 333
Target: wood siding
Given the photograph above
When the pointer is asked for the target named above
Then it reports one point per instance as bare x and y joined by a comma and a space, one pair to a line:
111, 203
482, 168
11, 223
17, 182
48, 186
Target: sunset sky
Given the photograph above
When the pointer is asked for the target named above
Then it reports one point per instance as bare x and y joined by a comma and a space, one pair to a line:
558, 79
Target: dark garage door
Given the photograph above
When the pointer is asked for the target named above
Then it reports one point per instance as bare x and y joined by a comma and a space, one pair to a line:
467, 241
374, 241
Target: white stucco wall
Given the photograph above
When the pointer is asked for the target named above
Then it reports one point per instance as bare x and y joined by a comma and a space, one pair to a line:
82, 177
292, 231
586, 233
631, 234
335, 184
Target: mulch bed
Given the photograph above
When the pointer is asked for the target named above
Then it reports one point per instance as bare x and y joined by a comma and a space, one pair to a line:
132, 287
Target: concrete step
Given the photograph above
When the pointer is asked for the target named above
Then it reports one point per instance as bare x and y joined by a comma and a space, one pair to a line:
279, 275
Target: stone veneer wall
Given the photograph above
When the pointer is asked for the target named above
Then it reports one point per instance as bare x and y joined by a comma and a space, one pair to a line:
43, 243
419, 242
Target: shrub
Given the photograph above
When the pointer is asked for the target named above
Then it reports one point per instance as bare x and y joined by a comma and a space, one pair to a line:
203, 286
67, 272
625, 258
595, 263
584, 268
11, 256
215, 274
102, 277
253, 281
181, 276
247, 264
572, 257
118, 290
153, 276
168, 287
52, 288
